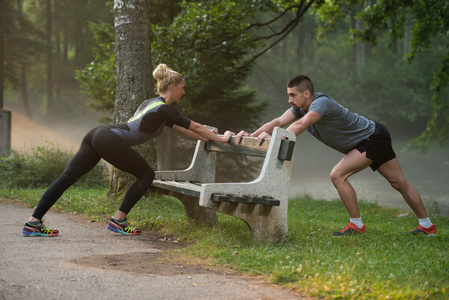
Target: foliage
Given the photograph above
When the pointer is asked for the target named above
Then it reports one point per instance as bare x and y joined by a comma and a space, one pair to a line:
385, 263
27, 65
384, 88
98, 79
428, 19
42, 167
22, 43
218, 41
206, 35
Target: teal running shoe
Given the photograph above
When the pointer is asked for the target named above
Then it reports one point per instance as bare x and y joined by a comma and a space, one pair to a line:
38, 230
122, 227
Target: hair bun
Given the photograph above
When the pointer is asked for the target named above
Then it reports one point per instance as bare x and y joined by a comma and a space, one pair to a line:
162, 71
166, 76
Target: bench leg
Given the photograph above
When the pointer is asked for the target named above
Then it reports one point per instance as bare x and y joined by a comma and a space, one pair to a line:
265, 225
197, 212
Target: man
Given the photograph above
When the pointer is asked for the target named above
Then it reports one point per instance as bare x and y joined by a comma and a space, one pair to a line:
364, 143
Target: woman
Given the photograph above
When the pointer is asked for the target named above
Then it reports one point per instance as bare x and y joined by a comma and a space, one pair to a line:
113, 143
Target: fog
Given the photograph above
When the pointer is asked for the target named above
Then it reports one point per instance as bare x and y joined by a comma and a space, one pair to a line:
313, 161
429, 173
67, 135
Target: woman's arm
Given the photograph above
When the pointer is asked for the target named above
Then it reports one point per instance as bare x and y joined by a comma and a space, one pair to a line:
189, 133
200, 132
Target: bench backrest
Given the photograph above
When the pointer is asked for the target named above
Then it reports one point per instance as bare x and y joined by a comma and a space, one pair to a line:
203, 165
249, 146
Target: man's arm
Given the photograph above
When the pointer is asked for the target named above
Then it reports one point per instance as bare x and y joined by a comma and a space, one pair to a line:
297, 127
286, 118
305, 122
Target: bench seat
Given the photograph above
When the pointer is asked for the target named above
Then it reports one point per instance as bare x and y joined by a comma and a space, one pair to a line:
261, 203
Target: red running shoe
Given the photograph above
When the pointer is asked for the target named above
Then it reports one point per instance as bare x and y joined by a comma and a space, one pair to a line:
422, 230
351, 229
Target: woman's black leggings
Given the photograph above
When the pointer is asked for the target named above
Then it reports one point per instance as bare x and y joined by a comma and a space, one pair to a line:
99, 143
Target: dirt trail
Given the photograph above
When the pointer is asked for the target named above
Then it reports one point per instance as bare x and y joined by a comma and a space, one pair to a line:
86, 261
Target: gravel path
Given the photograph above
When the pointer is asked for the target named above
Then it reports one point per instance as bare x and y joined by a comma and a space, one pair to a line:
86, 261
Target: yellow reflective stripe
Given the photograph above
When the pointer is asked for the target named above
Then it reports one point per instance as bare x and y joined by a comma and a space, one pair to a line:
153, 105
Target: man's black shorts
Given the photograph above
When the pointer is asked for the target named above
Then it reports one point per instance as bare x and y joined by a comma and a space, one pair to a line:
378, 147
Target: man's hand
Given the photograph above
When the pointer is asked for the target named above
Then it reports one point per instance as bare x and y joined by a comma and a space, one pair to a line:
261, 137
240, 134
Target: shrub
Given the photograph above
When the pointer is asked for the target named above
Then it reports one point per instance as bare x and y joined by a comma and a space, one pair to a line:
42, 167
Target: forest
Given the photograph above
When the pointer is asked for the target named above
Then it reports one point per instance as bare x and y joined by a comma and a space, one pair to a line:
386, 60
70, 64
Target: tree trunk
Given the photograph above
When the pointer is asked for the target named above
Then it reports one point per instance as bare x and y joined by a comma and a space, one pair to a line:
2, 42
358, 58
134, 75
49, 60
24, 91
23, 72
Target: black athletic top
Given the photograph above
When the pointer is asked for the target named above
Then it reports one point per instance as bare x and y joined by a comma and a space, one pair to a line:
149, 121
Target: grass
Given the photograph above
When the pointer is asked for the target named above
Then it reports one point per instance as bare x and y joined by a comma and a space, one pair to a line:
385, 263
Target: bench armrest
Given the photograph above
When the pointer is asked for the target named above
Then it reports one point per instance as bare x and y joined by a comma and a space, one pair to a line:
273, 181
201, 169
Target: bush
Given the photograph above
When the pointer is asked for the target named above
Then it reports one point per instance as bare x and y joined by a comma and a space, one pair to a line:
42, 167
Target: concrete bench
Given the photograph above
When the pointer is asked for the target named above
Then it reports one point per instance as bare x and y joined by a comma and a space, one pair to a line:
261, 203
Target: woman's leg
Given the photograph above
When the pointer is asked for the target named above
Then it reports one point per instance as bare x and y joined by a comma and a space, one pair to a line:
123, 157
83, 161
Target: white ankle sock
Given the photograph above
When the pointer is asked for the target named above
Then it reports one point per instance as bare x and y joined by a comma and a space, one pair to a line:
357, 222
426, 223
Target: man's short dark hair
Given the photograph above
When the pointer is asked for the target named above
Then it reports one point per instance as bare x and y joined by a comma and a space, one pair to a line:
302, 83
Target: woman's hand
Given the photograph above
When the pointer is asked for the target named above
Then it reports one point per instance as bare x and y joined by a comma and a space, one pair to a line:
227, 136
213, 131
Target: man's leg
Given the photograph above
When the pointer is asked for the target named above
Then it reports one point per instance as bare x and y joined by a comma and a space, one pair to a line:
392, 171
350, 164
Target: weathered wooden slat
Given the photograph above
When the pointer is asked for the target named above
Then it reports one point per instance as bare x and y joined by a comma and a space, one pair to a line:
268, 201
247, 146
182, 187
220, 198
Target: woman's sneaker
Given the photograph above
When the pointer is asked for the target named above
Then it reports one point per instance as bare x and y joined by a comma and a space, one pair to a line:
422, 230
122, 227
38, 230
351, 229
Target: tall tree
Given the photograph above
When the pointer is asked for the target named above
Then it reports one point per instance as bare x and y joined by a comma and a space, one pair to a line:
2, 47
49, 56
134, 72
23, 69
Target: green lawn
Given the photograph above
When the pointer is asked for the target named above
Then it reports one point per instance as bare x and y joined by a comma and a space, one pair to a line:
385, 263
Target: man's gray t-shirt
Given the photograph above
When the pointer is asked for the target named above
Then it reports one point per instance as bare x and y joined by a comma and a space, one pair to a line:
338, 128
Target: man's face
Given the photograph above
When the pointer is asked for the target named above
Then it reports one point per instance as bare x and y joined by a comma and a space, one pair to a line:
296, 98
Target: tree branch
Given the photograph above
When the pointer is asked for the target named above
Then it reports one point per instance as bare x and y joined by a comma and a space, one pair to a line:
284, 32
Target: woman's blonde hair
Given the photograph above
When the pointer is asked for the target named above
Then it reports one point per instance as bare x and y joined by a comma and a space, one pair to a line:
166, 76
